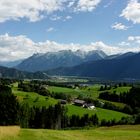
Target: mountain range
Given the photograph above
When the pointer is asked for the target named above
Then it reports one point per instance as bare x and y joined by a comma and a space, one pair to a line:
126, 66
79, 63
52, 60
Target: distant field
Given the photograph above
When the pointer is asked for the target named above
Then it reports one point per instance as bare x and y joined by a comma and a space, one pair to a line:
101, 113
66, 79
91, 91
73, 92
103, 133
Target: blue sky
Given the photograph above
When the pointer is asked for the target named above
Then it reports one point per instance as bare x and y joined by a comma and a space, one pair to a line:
41, 26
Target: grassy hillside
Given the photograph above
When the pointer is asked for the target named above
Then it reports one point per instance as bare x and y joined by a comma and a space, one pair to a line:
103, 133
101, 113
32, 98
76, 91
73, 92
92, 91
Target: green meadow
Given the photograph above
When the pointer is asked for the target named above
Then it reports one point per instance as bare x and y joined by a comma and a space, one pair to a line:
101, 113
34, 99
130, 132
90, 91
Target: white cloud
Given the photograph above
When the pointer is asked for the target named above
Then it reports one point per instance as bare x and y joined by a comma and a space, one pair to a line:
68, 17
135, 39
55, 17
119, 26
104, 47
124, 43
71, 3
12, 48
35, 10
62, 18
50, 29
87, 5
30, 9
132, 11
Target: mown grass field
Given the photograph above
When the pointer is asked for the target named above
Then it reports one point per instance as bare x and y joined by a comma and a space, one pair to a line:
73, 92
101, 113
104, 133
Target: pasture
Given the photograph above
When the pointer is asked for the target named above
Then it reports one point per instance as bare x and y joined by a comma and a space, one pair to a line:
126, 132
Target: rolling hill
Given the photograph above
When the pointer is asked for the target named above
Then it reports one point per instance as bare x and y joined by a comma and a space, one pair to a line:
13, 73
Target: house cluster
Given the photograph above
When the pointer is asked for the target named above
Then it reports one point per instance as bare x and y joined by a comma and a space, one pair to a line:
81, 103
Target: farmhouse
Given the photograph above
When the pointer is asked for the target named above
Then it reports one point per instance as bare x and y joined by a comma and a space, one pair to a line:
89, 106
79, 102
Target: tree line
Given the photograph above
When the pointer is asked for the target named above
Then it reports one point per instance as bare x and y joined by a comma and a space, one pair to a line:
131, 98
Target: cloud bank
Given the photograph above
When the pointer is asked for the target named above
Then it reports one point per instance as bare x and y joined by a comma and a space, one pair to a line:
35, 10
20, 47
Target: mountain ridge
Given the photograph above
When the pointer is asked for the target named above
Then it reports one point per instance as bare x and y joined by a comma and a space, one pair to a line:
125, 67
16, 74
51, 60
